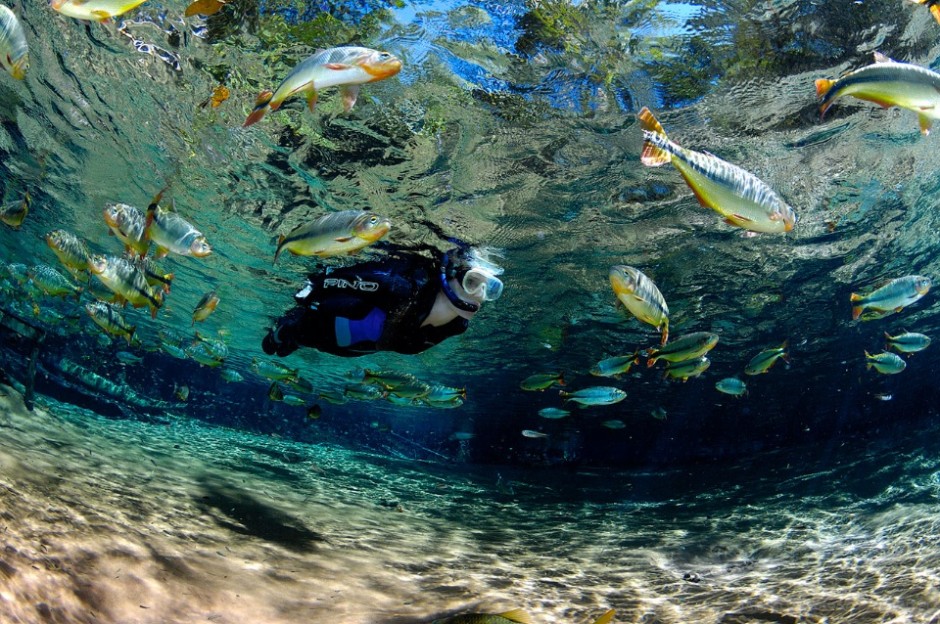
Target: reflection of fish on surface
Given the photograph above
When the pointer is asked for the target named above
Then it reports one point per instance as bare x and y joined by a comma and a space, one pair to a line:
344, 67
731, 385
739, 196
71, 252
615, 366
334, 234
112, 392
887, 83
14, 55
98, 10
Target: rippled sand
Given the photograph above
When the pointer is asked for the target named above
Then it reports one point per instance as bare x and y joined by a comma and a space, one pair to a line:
129, 522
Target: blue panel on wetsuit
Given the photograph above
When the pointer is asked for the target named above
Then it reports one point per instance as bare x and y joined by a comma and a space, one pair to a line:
368, 329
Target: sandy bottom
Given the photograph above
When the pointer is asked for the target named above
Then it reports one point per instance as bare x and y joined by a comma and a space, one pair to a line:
129, 522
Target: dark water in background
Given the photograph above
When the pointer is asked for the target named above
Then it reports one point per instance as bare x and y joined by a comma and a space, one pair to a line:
513, 125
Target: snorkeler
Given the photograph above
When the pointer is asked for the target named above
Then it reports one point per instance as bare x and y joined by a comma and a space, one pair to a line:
406, 303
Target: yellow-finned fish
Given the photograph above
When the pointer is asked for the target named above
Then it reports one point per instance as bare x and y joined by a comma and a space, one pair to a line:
687, 347
69, 249
886, 363
907, 342
14, 54
687, 368
932, 5
888, 83
346, 67
641, 297
615, 366
52, 282
893, 296
542, 381
205, 7
172, 233
205, 307
13, 213
123, 278
98, 10
129, 225
762, 362
154, 276
110, 320
739, 196
344, 232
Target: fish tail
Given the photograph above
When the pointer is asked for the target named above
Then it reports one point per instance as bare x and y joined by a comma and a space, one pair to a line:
651, 357
665, 336
653, 138
280, 245
262, 106
130, 334
823, 85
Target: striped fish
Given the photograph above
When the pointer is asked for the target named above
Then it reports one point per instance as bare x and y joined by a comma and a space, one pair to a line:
888, 83
687, 368
893, 296
641, 297
123, 278
129, 225
740, 197
14, 55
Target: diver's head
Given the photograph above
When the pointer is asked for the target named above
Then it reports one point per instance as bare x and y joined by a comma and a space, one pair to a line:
474, 275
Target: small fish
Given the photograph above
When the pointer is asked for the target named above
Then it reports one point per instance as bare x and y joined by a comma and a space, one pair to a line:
172, 233
205, 7
895, 295
762, 362
182, 392
659, 413
174, 351
299, 384
686, 347
205, 354
450, 403
69, 249
887, 83
205, 307
52, 282
273, 370
363, 392
124, 279
154, 276
615, 366
13, 213
595, 395
275, 393
641, 297
461, 436
14, 54
441, 393
529, 433
314, 411
732, 385
908, 342
293, 400
737, 195
231, 376
553, 413
614, 424
687, 368
345, 67
98, 10
542, 381
337, 233
332, 397
883, 397
128, 358
110, 320
214, 346
414, 390
387, 379
885, 362
130, 226
932, 5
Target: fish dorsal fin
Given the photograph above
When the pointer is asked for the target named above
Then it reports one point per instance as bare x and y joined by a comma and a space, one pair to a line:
882, 58
517, 615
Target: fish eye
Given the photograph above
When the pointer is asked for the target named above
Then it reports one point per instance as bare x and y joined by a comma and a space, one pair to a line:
384, 55
374, 220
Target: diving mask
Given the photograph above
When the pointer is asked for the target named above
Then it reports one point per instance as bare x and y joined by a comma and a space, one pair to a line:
479, 282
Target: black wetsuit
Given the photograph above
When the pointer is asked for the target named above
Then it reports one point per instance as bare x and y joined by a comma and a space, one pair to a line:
364, 308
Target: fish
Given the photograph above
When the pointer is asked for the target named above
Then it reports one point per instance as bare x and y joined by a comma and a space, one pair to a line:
314, 411
181, 392
441, 393
740, 197
516, 616
595, 395
52, 282
346, 67
895, 295
732, 385
641, 297
98, 10
274, 371
108, 318
364, 392
687, 347
153, 275
172, 233
130, 226
275, 393
615, 366
907, 342
614, 424
293, 400
762, 362
123, 278
205, 354
174, 351
885, 362
529, 433
69, 249
887, 83
13, 213
387, 379
450, 403
14, 52
205, 307
542, 381
414, 390
299, 384
659, 413
204, 7
883, 397
337, 233
932, 5
230, 375
332, 397
128, 358
687, 368
553, 413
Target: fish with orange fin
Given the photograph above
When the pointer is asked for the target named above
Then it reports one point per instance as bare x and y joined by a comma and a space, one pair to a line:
205, 7
171, 232
346, 67
887, 83
739, 196
127, 281
98, 10
932, 5
205, 307
130, 225
893, 295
